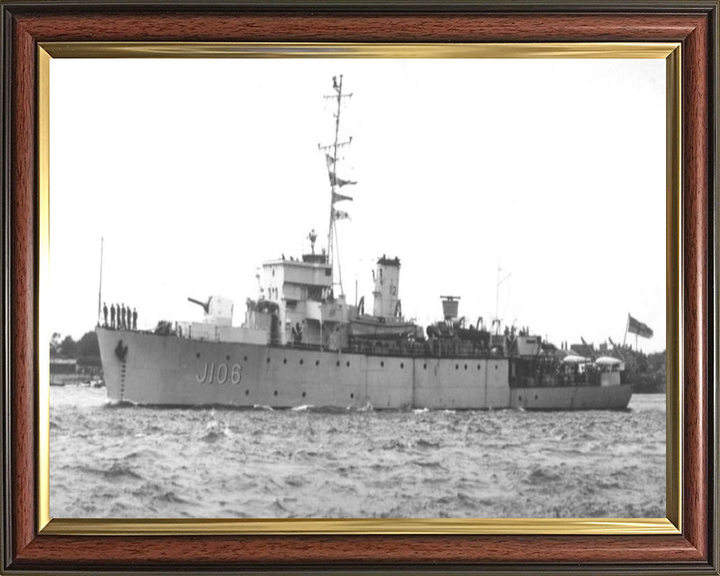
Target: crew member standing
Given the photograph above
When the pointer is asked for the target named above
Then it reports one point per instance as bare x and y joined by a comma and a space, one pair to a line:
122, 316
112, 315
134, 318
105, 311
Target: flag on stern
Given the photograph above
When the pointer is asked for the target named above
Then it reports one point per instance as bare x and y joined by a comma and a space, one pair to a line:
637, 327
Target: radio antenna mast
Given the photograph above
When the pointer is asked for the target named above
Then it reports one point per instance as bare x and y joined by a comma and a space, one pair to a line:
331, 158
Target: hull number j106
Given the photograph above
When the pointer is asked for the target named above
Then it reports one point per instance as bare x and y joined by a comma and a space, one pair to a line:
220, 374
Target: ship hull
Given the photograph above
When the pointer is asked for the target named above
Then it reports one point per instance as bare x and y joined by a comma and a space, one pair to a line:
163, 370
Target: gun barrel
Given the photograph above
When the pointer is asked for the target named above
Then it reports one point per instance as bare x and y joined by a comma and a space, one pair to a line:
617, 350
205, 305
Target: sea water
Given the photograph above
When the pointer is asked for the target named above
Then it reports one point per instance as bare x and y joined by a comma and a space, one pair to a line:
109, 461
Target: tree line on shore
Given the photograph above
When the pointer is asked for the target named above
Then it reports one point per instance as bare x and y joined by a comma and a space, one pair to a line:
86, 350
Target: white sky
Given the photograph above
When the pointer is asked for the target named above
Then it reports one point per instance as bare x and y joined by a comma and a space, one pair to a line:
196, 171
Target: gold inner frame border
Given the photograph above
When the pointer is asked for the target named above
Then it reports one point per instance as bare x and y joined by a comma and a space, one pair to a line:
669, 51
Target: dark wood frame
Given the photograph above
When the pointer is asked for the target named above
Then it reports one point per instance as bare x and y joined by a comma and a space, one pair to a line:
694, 24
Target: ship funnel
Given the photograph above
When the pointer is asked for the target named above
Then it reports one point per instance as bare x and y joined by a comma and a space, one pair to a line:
450, 306
387, 287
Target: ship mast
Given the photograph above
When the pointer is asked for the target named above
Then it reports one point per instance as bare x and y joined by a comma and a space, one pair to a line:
331, 158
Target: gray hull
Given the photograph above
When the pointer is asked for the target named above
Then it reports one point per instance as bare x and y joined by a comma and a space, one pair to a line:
173, 371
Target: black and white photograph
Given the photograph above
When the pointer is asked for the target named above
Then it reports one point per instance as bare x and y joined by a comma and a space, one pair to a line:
357, 288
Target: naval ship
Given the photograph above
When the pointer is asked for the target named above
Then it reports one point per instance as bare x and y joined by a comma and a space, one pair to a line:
302, 344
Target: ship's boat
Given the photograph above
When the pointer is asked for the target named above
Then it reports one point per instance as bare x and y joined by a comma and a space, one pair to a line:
302, 344
386, 322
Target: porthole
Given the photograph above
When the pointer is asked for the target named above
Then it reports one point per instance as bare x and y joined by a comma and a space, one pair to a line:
337, 363
402, 365
303, 394
347, 364
227, 358
247, 392
284, 360
275, 392
465, 366
302, 361
424, 366
197, 355
245, 359
382, 364
352, 395
478, 366
267, 360
519, 397
317, 362
535, 396
496, 366
457, 366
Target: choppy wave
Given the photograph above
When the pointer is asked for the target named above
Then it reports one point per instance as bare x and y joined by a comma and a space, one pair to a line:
313, 462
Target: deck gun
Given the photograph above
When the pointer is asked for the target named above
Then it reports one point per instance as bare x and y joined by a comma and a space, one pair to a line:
205, 305
617, 349
589, 349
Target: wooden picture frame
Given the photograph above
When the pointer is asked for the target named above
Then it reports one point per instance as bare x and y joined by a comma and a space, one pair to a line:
28, 546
